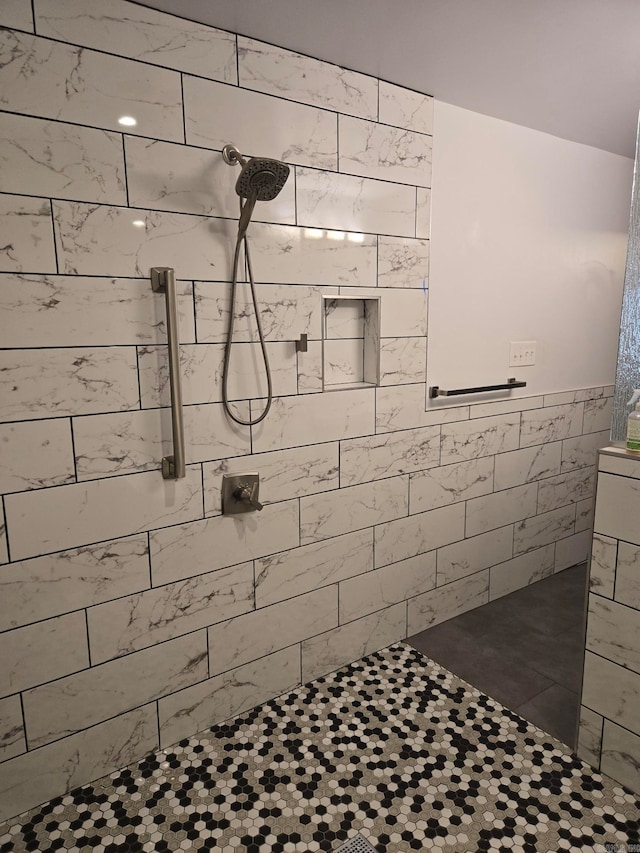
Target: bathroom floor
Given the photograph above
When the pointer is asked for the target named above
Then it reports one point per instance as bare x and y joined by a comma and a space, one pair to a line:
394, 747
526, 650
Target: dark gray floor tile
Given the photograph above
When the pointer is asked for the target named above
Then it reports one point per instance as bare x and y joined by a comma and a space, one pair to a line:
557, 656
494, 672
555, 710
526, 650
561, 658
545, 613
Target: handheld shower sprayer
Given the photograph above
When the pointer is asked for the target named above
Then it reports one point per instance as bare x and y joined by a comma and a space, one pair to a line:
260, 179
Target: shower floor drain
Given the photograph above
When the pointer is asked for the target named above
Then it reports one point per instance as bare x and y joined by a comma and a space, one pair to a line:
357, 844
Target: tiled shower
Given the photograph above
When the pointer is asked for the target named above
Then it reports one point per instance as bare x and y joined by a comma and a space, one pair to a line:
133, 614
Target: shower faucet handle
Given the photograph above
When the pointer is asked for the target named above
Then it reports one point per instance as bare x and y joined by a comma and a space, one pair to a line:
247, 493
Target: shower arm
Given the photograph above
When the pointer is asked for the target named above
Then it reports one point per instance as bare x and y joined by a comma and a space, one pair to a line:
232, 156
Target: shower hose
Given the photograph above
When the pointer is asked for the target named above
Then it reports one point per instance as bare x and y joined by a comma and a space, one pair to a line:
241, 240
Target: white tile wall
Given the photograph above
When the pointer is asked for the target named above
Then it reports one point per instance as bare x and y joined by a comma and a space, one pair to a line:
611, 690
602, 571
101, 240
54, 710
528, 465
609, 733
501, 508
141, 33
403, 361
378, 151
405, 108
402, 407
63, 311
17, 14
581, 451
38, 589
619, 750
27, 238
572, 550
584, 515
474, 554
312, 256
551, 424
167, 176
354, 507
57, 382
201, 368
569, 488
403, 311
423, 212
613, 632
294, 421
283, 474
54, 519
106, 445
484, 437
403, 262
49, 79
373, 457
617, 461
261, 632
352, 641
147, 618
521, 571
128, 605
506, 407
192, 549
627, 575
450, 484
548, 527
227, 695
12, 740
407, 537
42, 652
61, 160
448, 601
597, 414
291, 573
283, 129
617, 508
4, 553
36, 454
590, 737
379, 589
347, 203
292, 311
276, 71
91, 754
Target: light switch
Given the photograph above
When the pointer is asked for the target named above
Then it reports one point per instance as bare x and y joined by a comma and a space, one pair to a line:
522, 353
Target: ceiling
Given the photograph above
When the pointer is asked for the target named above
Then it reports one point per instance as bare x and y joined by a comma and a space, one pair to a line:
567, 67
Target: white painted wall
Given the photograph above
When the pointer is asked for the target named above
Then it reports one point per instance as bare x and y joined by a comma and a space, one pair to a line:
528, 238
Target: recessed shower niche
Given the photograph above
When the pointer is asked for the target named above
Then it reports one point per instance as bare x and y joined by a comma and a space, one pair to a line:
350, 342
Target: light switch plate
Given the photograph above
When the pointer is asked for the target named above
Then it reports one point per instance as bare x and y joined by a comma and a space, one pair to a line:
522, 353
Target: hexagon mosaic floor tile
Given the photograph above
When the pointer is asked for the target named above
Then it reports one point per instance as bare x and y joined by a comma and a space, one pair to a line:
393, 747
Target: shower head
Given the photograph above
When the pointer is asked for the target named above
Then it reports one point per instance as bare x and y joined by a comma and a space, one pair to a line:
261, 179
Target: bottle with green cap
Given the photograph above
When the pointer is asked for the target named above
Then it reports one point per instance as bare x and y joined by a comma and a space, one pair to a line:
633, 423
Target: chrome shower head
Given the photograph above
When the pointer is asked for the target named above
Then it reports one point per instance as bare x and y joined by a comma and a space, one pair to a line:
261, 178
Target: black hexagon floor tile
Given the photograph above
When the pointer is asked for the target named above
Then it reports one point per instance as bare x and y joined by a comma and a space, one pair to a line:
393, 747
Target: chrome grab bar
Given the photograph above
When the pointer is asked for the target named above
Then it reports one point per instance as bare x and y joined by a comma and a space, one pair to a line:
436, 391
163, 281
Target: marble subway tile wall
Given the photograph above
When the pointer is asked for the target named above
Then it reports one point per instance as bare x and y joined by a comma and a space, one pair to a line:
132, 613
609, 731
